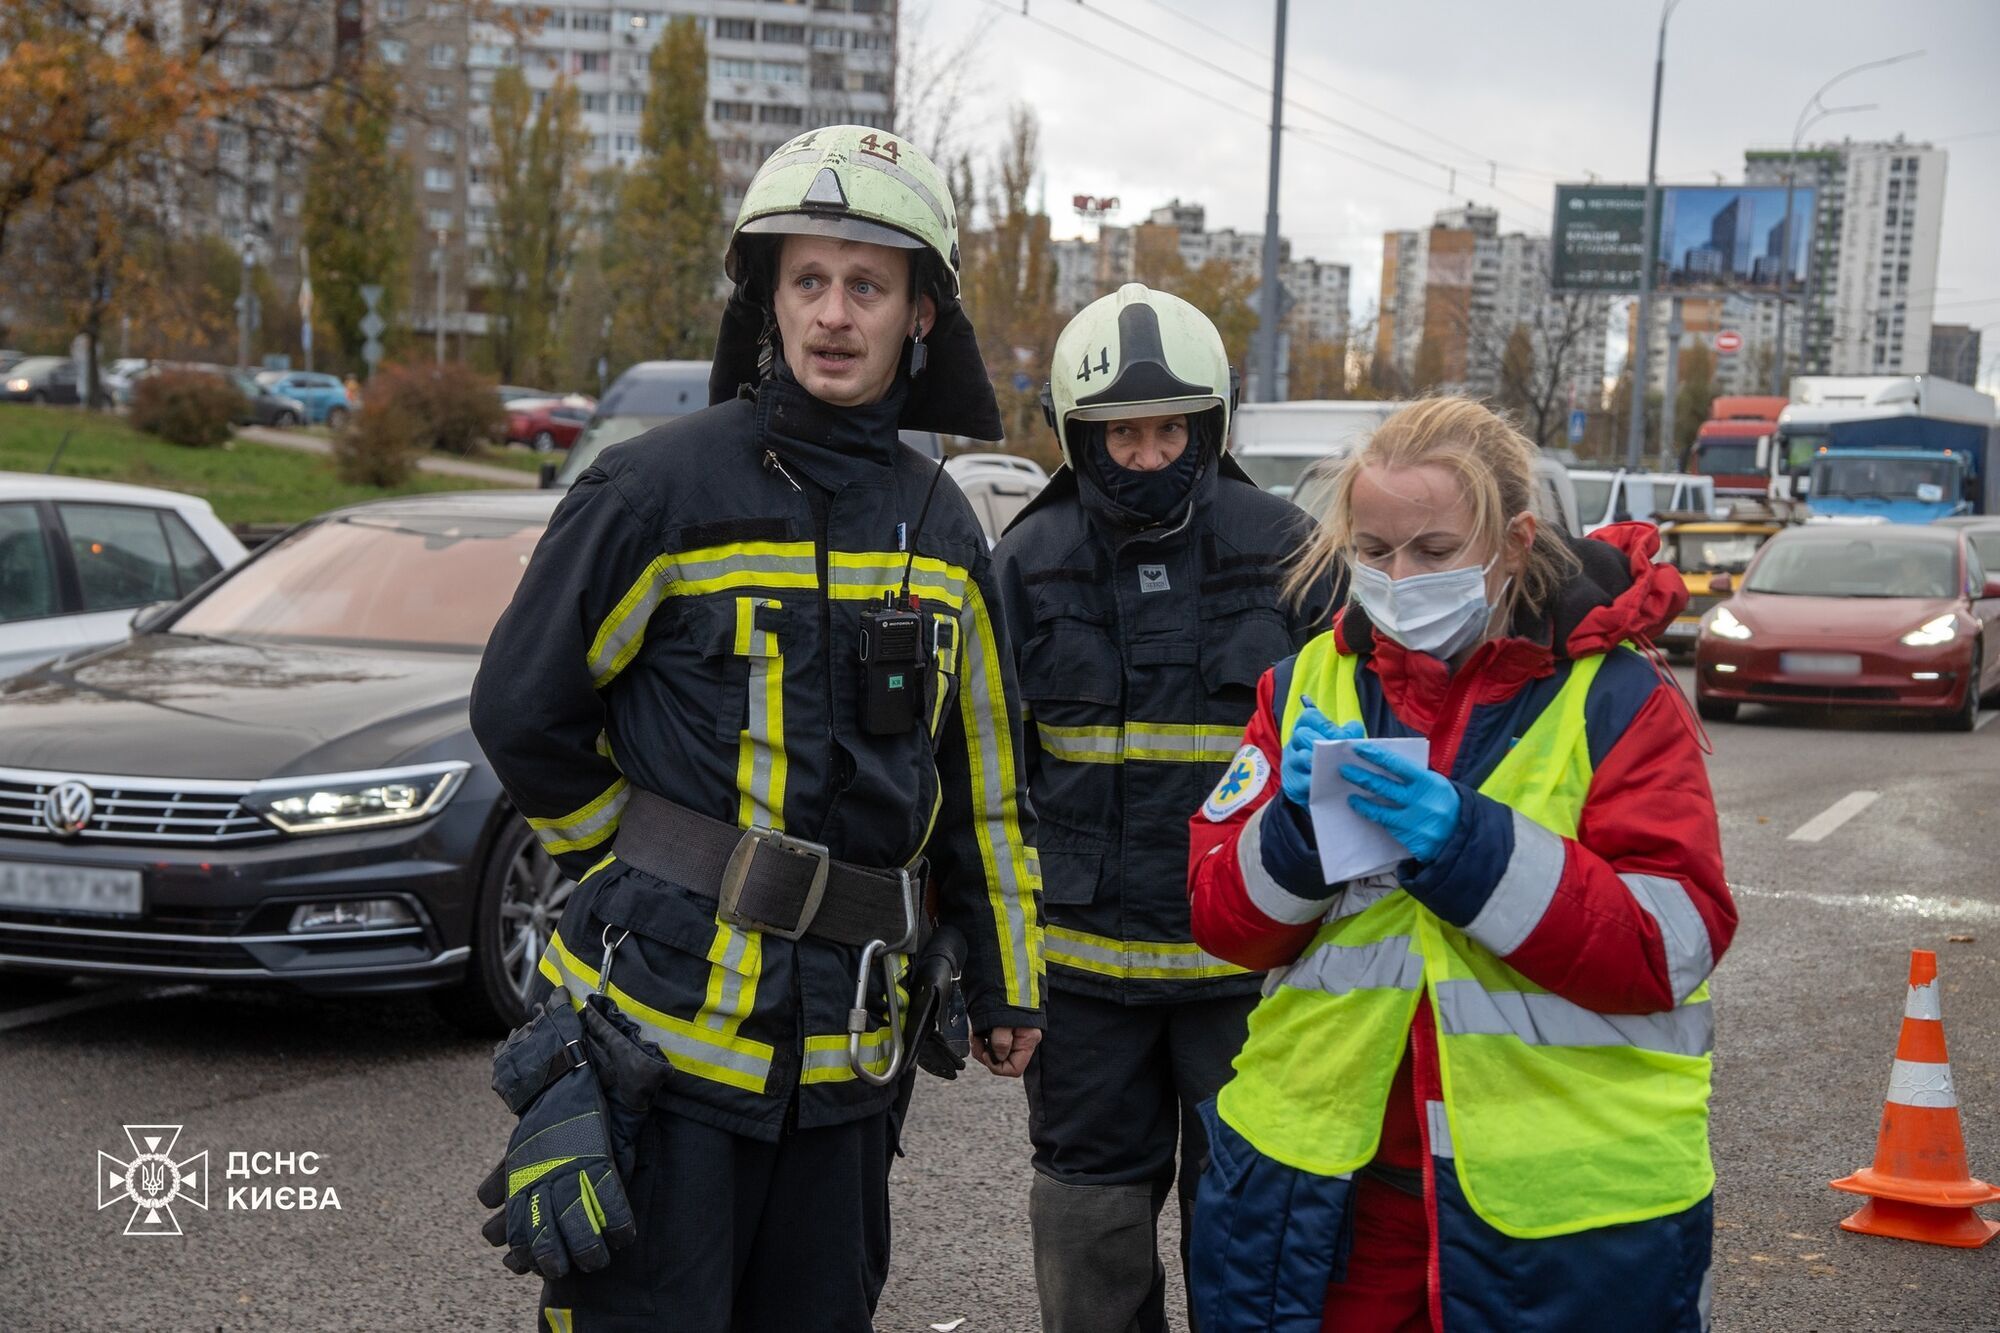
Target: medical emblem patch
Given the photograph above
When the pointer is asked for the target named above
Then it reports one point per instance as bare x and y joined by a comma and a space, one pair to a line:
1248, 772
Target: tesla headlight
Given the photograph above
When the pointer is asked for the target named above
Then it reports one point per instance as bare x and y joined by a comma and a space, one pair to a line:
341, 801
1725, 623
1941, 629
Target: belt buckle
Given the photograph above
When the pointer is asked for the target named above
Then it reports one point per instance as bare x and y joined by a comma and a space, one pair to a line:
736, 875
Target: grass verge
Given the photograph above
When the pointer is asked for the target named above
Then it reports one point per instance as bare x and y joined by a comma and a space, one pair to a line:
245, 481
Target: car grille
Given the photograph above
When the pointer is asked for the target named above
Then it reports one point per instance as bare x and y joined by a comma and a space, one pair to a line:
135, 810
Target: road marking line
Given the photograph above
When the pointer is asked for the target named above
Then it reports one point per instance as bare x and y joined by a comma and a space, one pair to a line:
1831, 818
1985, 717
13, 1019
1905, 904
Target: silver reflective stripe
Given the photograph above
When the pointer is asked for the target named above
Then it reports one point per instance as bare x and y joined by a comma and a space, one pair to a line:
1467, 1009
1440, 1127
1270, 897
1131, 957
1081, 745
906, 179
1916, 1084
983, 699
729, 1000
763, 738
1923, 1003
1690, 956
1362, 894
557, 837
1389, 964
1523, 894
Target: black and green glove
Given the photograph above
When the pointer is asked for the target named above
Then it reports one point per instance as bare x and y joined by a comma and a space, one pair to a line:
560, 1190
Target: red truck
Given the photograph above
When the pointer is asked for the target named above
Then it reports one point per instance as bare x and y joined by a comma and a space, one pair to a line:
1734, 444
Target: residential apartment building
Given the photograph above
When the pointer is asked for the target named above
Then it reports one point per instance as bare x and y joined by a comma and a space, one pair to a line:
1318, 289
1879, 216
776, 67
1453, 294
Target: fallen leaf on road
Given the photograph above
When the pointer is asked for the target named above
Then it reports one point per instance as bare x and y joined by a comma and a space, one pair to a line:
1813, 1256
1764, 1259
1800, 1235
1962, 939
1823, 1270
1763, 819
948, 1326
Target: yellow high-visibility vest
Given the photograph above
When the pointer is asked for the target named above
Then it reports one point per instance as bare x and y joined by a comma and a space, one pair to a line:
1559, 1119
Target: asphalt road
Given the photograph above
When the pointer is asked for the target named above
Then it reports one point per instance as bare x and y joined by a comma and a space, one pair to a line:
1809, 1003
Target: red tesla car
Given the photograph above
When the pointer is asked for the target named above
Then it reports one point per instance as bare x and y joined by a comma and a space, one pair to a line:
546, 423
1854, 616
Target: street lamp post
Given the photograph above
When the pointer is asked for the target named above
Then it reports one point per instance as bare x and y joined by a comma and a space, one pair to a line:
243, 305
440, 294
1810, 115
1635, 433
1269, 309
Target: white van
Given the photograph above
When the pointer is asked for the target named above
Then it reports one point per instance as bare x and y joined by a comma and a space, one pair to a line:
1620, 496
998, 485
1276, 442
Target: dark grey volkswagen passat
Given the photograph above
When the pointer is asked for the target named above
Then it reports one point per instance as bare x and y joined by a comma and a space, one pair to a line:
274, 781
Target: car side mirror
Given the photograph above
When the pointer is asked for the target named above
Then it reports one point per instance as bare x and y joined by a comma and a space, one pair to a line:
147, 618
1992, 588
1721, 585
547, 474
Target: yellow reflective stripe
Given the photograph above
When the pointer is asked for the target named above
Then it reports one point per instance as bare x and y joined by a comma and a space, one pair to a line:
826, 1057
1134, 960
996, 820
736, 960
690, 574
733, 1060
609, 857
585, 827
560, 1321
865, 575
1142, 742
761, 764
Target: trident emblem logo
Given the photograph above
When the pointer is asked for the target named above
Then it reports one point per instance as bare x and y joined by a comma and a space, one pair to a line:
152, 1180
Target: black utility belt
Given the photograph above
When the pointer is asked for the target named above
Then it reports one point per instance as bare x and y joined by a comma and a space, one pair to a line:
768, 881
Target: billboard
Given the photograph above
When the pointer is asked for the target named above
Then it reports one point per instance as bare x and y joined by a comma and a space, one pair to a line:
1712, 238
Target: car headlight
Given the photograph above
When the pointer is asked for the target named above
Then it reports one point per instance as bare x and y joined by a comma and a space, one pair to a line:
18, 386
1727, 625
1942, 629
338, 802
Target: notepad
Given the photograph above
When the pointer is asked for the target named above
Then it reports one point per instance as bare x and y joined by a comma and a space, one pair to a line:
1352, 846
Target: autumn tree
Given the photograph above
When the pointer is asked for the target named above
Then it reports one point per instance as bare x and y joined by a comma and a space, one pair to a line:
538, 186
359, 214
1517, 372
1693, 396
1009, 284
1316, 367
664, 249
1427, 366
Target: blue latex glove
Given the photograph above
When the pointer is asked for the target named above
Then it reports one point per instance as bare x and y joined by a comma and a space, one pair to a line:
1417, 806
1313, 726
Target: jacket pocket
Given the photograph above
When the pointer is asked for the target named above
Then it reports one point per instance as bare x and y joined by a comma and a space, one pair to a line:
1243, 635
1069, 879
1071, 662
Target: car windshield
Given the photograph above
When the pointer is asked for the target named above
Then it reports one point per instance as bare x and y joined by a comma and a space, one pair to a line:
1927, 479
656, 396
407, 580
1593, 496
1712, 552
1726, 457
1857, 567
1276, 473
35, 365
1801, 447
1988, 546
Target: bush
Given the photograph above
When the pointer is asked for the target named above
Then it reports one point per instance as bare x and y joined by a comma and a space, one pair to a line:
189, 407
451, 408
379, 446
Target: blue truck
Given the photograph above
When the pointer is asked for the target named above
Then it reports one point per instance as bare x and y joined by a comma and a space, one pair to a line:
1901, 449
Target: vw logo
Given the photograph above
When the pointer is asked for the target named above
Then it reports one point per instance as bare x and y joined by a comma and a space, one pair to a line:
67, 808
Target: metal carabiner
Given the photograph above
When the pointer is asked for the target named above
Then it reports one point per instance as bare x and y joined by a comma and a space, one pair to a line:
857, 1017
610, 951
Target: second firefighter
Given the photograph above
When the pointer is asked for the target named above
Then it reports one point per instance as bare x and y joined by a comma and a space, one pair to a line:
1141, 591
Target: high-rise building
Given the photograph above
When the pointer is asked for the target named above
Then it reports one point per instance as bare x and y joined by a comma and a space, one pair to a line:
1878, 217
1453, 295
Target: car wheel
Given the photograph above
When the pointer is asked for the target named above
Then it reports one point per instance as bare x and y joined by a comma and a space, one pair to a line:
1715, 710
1966, 716
336, 417
520, 902
38, 396
285, 420
543, 442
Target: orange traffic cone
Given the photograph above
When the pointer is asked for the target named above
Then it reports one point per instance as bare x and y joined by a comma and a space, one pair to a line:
1919, 1187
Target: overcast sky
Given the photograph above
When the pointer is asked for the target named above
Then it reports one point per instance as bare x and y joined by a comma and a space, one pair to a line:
1549, 89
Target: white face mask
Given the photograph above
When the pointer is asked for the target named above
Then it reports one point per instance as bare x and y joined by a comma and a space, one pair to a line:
1438, 613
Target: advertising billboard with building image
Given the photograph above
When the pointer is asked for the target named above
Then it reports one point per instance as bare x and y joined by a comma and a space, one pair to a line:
1712, 238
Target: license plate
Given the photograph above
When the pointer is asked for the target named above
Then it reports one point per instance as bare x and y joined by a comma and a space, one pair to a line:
45, 888
1819, 664
1683, 629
